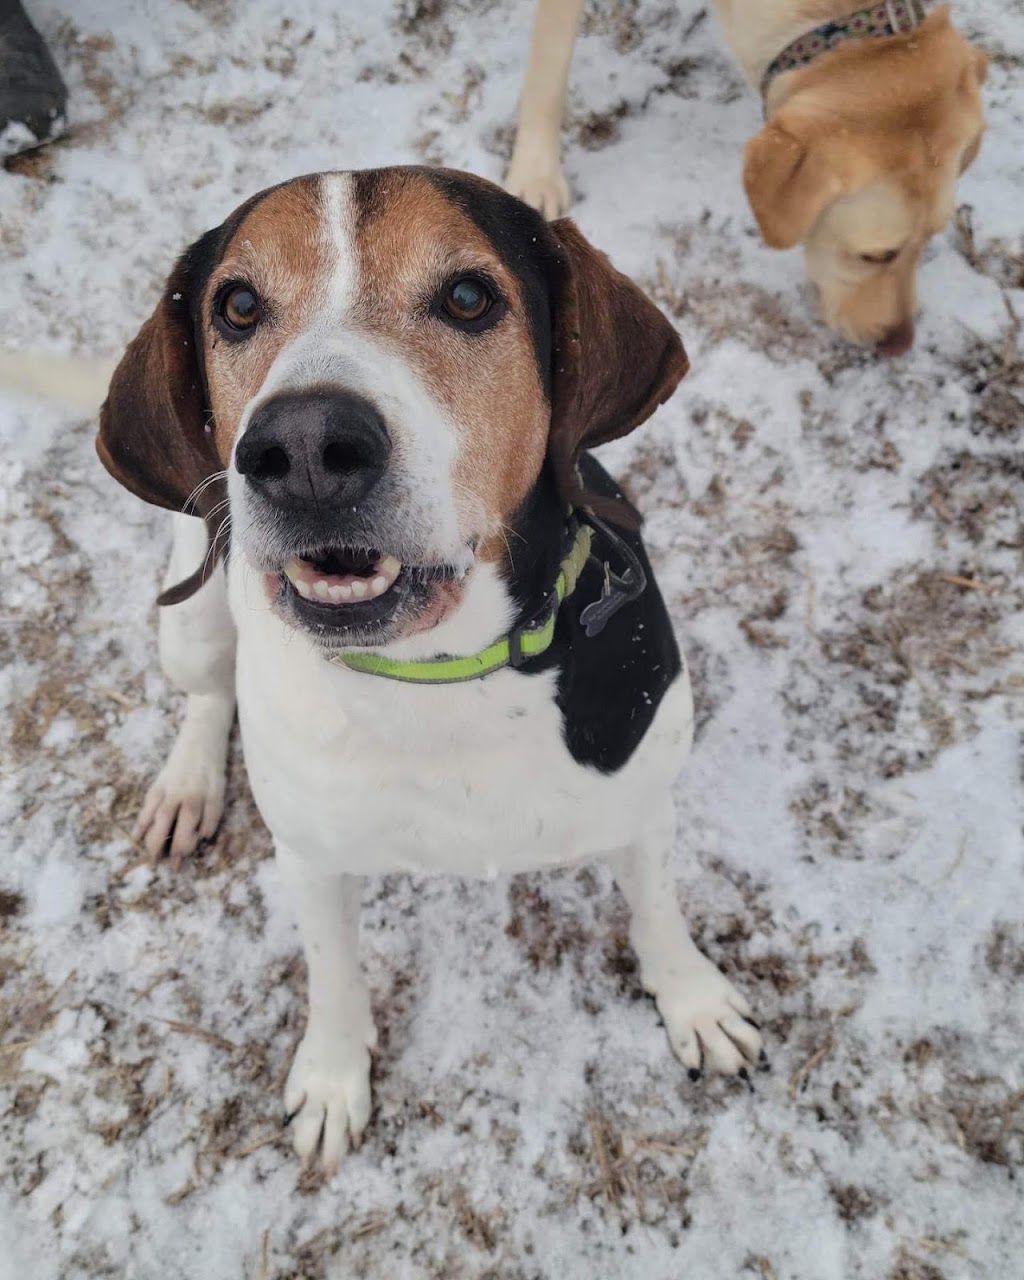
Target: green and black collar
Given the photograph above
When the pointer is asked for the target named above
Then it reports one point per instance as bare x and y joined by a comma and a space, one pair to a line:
531, 637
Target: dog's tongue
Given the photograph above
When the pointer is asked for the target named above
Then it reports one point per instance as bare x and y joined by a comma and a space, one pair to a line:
344, 563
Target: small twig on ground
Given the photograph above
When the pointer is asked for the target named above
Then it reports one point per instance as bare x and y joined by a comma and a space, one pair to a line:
799, 1077
256, 1144
969, 584
189, 1029
119, 698
608, 1183
184, 1190
370, 1226
757, 1262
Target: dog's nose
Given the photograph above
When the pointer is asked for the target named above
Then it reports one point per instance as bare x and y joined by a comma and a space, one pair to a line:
325, 447
898, 341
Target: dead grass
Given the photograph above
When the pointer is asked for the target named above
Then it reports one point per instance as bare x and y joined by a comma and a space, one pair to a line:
633, 1177
546, 935
1004, 950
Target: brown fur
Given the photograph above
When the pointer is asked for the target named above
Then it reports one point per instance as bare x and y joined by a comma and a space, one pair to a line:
171, 417
861, 154
410, 242
278, 249
616, 357
151, 436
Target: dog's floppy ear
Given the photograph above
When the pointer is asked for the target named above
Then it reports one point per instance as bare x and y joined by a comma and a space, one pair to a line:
153, 436
789, 184
615, 359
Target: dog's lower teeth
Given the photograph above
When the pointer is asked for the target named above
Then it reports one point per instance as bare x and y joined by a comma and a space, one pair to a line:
359, 589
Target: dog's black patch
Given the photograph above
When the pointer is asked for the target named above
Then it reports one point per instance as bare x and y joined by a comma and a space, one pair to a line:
609, 685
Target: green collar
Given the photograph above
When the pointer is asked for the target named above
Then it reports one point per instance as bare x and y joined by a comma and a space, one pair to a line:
529, 640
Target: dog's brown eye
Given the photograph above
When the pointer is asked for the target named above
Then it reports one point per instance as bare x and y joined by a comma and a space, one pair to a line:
468, 299
881, 259
239, 308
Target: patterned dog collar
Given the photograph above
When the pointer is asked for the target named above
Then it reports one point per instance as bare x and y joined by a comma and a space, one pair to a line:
893, 18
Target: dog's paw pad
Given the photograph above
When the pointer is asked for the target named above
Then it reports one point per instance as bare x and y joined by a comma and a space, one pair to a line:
327, 1101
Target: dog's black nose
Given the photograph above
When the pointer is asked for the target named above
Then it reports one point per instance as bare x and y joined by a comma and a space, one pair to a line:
322, 447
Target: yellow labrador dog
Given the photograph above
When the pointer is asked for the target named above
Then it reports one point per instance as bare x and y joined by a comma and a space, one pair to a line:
870, 118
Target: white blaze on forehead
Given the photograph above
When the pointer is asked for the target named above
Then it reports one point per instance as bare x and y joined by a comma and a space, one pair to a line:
313, 355
335, 348
339, 223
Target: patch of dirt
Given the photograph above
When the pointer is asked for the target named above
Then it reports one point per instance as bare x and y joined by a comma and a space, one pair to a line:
977, 496
832, 818
904, 668
981, 1115
909, 1267
721, 305
11, 904
1004, 950
425, 23
634, 1177
852, 1203
998, 259
539, 927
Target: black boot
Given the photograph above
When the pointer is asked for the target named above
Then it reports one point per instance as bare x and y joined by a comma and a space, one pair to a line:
32, 94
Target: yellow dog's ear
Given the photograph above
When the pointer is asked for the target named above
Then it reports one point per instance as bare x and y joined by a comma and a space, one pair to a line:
789, 184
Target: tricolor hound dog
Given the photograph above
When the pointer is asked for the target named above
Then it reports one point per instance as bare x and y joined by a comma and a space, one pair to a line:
872, 112
445, 659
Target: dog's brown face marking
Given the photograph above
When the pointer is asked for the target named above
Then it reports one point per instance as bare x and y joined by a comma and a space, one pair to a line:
392, 367
280, 252
401, 243
412, 245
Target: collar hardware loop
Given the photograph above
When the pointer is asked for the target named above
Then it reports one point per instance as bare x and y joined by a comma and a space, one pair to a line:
618, 589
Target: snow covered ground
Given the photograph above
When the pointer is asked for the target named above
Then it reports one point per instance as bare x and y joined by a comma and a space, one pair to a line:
840, 540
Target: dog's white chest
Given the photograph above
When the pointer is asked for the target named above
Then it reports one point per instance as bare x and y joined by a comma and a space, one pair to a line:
369, 776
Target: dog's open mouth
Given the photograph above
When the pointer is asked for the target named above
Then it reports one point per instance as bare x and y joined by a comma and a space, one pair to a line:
339, 576
363, 595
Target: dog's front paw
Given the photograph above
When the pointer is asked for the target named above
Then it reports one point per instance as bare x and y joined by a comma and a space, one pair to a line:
538, 179
184, 805
186, 802
327, 1098
709, 1024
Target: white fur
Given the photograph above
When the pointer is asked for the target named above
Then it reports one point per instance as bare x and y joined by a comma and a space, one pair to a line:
356, 775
